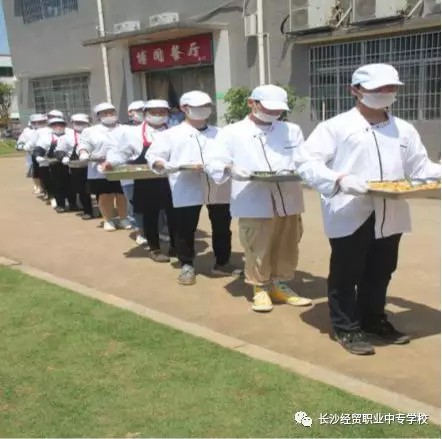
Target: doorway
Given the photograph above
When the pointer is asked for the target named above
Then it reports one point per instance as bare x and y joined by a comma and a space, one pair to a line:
171, 84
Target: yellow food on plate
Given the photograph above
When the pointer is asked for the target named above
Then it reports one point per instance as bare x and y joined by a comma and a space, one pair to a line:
401, 186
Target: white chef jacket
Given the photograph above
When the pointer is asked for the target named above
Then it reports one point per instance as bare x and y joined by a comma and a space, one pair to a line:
254, 147
45, 137
26, 135
183, 145
130, 144
66, 143
31, 141
348, 144
97, 140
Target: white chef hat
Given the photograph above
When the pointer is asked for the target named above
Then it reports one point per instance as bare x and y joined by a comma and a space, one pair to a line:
195, 98
104, 106
38, 118
136, 105
372, 76
271, 97
55, 120
56, 113
157, 103
80, 117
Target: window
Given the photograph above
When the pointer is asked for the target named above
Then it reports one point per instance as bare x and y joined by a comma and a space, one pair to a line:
69, 94
34, 10
417, 58
6, 72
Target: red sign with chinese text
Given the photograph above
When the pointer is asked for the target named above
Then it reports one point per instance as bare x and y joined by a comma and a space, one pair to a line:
164, 54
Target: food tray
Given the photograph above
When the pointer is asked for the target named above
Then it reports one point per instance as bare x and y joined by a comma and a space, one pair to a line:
78, 164
407, 191
191, 167
131, 172
269, 177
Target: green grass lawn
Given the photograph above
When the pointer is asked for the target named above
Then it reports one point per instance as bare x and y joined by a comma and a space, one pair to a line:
7, 147
74, 367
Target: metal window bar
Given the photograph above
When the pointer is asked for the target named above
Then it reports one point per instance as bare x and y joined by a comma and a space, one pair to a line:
69, 94
35, 10
416, 56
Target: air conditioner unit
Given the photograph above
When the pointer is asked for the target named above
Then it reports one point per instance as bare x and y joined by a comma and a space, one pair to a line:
431, 7
162, 19
366, 10
126, 26
310, 14
250, 25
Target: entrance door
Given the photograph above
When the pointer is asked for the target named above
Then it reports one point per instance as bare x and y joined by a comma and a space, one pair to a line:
171, 84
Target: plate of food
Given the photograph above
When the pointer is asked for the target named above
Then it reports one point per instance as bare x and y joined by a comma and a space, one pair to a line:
131, 172
404, 189
78, 164
269, 176
195, 167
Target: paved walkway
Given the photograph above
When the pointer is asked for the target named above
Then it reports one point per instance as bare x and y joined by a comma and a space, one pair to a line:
80, 251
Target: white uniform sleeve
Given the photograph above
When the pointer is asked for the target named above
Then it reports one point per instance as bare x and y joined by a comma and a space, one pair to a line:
122, 152
160, 149
220, 157
23, 138
85, 143
299, 141
416, 163
312, 157
31, 141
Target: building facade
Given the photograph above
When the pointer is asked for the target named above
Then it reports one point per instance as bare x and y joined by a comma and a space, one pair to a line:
72, 54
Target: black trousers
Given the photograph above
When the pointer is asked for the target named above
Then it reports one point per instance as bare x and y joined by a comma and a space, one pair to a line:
360, 272
79, 185
151, 225
187, 218
45, 174
62, 185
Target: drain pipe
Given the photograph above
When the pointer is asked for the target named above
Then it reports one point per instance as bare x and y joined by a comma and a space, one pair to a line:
103, 47
261, 50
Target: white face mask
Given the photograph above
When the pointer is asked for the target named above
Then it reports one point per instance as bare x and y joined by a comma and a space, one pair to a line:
198, 113
267, 118
156, 120
378, 101
78, 127
137, 116
109, 120
58, 131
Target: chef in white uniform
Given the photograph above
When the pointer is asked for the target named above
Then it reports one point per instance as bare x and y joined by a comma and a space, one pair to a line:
188, 144
135, 112
36, 121
270, 224
149, 195
67, 150
95, 143
43, 132
341, 155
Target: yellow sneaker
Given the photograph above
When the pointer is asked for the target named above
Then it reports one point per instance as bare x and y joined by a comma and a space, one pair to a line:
282, 293
261, 300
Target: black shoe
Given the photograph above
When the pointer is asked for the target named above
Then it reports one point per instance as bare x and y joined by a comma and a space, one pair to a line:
157, 256
386, 332
86, 216
74, 208
60, 209
354, 342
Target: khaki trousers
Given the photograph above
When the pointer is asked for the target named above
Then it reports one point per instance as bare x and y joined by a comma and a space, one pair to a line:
270, 248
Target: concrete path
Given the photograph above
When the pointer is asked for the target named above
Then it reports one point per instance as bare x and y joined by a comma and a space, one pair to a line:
64, 245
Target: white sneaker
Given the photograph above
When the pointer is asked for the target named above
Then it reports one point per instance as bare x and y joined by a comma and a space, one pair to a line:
53, 203
164, 238
141, 240
125, 224
109, 227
